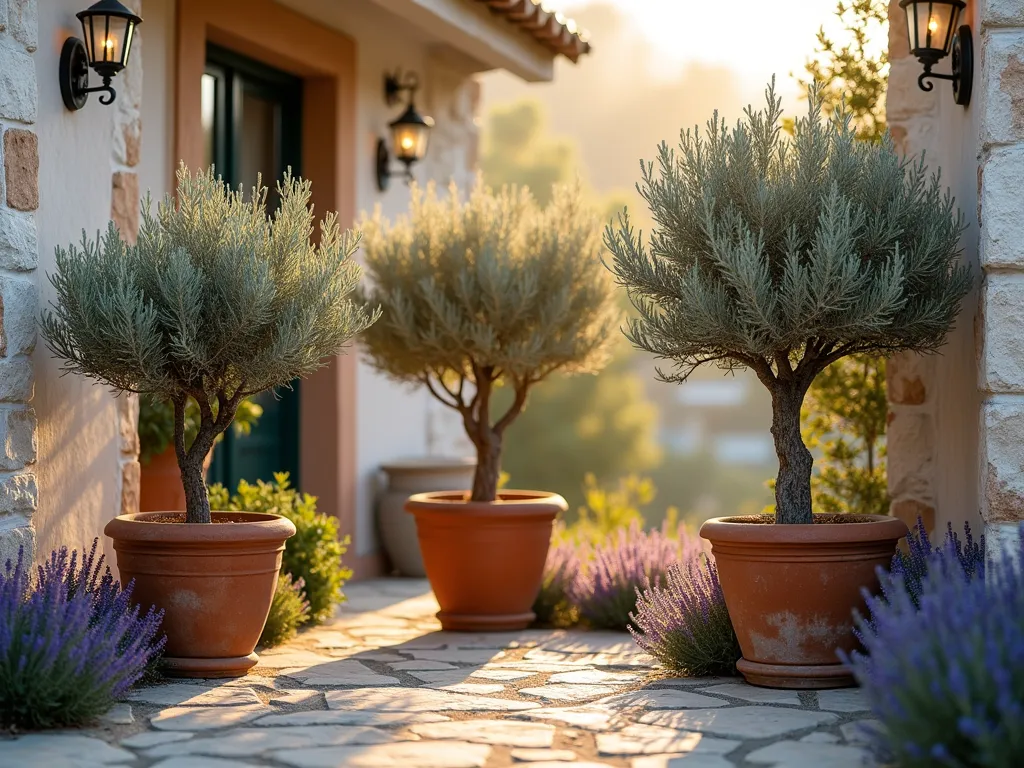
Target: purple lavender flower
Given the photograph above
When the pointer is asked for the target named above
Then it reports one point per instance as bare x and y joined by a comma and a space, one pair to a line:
943, 660
552, 606
912, 566
685, 625
71, 643
605, 591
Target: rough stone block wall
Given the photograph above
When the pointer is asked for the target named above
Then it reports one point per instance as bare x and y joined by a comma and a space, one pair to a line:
124, 212
19, 199
1000, 91
911, 114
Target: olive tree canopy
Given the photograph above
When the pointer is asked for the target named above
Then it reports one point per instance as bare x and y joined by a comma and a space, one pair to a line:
485, 291
217, 300
784, 256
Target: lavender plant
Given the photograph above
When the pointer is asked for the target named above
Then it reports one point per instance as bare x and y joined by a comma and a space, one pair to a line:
685, 625
912, 566
71, 643
943, 665
605, 592
565, 561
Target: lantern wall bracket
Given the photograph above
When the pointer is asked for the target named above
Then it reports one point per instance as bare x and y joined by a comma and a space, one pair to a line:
74, 77
962, 75
384, 172
397, 83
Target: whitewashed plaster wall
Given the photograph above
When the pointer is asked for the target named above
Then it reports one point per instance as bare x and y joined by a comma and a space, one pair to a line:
86, 445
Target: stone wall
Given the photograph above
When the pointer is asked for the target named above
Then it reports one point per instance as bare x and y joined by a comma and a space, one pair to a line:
124, 212
969, 400
19, 199
1000, 90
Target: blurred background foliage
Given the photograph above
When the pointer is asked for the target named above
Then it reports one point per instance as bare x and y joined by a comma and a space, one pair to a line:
705, 445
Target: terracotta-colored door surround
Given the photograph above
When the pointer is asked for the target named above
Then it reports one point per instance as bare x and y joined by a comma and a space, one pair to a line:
326, 60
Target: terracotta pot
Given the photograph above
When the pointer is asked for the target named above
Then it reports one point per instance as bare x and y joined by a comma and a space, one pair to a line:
792, 589
215, 583
397, 529
485, 560
160, 488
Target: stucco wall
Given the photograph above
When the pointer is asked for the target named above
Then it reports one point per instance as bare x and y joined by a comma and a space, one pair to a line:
934, 399
93, 164
87, 469
396, 421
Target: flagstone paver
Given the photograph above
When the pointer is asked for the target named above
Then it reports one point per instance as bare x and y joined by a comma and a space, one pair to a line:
792, 753
543, 756
507, 733
381, 686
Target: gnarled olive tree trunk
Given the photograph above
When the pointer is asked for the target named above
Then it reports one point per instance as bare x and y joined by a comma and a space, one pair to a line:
793, 484
191, 460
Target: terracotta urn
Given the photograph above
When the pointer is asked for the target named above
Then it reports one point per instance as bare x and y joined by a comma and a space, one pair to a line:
215, 583
485, 560
791, 591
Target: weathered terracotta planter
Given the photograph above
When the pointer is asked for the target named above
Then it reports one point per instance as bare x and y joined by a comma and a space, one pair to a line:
160, 487
485, 561
792, 589
215, 583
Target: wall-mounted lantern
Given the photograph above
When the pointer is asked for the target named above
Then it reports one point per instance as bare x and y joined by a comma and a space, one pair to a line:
933, 32
107, 28
410, 133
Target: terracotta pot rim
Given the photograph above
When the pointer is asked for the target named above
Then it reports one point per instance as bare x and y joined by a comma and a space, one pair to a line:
260, 527
868, 528
511, 502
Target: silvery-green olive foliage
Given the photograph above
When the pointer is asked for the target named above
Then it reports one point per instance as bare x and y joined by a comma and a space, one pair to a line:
215, 301
487, 289
784, 256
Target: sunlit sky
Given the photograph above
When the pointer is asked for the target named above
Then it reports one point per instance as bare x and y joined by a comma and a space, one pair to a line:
754, 38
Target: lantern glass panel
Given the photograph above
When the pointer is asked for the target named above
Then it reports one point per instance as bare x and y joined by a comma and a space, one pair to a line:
409, 140
930, 25
108, 40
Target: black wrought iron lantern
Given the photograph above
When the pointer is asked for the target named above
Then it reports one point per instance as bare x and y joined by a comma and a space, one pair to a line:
934, 34
410, 132
108, 28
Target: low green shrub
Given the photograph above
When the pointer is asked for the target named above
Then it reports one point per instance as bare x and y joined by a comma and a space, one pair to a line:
313, 554
288, 611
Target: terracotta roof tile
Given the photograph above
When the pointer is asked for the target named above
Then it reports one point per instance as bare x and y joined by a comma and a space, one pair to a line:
550, 28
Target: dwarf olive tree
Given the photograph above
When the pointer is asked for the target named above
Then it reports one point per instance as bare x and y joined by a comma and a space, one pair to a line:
784, 255
487, 291
216, 301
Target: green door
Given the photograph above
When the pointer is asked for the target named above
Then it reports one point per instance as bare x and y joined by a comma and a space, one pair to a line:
252, 124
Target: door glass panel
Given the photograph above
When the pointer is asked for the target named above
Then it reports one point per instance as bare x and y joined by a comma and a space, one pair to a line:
251, 121
259, 139
208, 113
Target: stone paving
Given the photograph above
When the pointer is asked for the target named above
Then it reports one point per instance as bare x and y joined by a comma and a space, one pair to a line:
382, 686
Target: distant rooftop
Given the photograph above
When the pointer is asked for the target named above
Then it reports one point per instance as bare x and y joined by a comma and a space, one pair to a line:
547, 26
